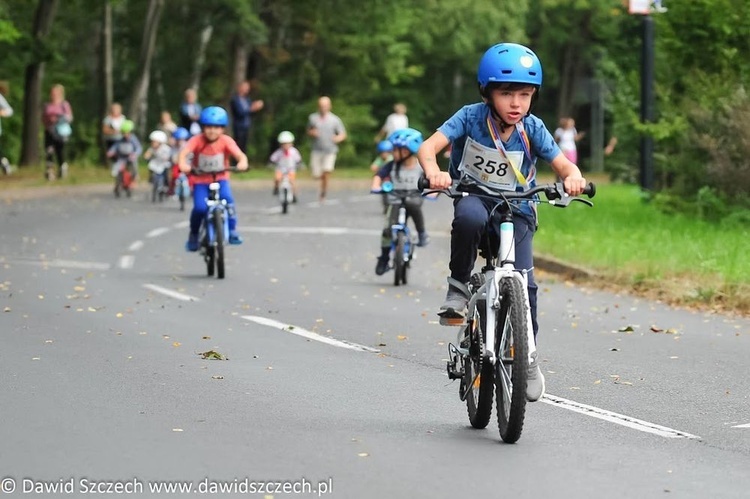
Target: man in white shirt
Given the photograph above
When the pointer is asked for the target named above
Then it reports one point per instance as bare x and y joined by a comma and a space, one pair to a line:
397, 120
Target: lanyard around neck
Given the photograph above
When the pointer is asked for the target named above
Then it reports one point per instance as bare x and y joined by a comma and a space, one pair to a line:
524, 181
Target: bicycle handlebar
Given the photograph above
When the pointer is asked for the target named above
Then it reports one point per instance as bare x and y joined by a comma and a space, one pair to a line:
553, 192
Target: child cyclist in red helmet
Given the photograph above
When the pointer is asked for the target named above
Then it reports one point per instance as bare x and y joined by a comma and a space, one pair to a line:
211, 150
500, 129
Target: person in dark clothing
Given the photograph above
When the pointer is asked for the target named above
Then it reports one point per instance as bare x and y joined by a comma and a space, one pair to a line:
242, 107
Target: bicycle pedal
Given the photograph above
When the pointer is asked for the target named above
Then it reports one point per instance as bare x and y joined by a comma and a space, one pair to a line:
452, 321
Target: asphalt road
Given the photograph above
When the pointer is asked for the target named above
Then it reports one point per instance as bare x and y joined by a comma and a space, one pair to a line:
102, 382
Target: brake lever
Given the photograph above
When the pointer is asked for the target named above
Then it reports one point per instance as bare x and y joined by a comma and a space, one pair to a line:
566, 200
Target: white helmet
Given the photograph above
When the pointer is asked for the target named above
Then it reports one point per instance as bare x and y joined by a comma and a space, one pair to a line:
285, 137
158, 136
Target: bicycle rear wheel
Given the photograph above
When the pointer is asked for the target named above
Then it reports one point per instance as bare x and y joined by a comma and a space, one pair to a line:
218, 221
512, 363
477, 384
399, 264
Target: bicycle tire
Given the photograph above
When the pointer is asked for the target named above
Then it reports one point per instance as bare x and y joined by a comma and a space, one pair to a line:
182, 202
398, 259
477, 384
513, 361
285, 200
218, 220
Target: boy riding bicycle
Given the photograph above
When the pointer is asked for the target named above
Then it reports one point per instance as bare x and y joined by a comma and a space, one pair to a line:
124, 154
403, 172
211, 150
286, 159
497, 141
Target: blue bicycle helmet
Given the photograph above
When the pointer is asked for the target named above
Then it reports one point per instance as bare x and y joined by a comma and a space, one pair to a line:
385, 146
407, 138
509, 63
181, 133
214, 116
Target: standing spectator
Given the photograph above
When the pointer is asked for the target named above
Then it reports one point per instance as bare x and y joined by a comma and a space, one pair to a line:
56, 117
242, 107
5, 112
397, 120
190, 112
566, 137
327, 131
111, 125
166, 123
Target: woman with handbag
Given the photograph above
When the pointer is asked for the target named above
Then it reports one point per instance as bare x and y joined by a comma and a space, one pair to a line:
56, 116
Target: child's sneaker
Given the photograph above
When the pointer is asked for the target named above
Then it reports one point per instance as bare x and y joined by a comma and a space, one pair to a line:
382, 265
192, 242
424, 239
234, 237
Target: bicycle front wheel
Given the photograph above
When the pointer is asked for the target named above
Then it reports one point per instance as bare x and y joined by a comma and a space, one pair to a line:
399, 263
218, 221
512, 361
477, 383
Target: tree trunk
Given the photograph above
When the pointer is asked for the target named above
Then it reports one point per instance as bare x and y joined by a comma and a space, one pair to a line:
239, 72
32, 101
106, 72
200, 57
139, 97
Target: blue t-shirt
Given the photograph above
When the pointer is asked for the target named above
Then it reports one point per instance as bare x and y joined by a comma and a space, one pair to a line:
471, 121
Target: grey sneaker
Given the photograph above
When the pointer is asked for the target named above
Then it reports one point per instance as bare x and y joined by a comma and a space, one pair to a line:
535, 386
455, 300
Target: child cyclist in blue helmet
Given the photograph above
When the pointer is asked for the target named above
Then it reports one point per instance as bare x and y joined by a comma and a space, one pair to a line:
497, 131
404, 173
211, 150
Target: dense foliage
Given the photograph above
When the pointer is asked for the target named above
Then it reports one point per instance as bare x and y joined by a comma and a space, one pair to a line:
368, 55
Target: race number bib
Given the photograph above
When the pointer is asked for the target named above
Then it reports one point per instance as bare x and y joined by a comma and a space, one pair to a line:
488, 166
125, 148
212, 163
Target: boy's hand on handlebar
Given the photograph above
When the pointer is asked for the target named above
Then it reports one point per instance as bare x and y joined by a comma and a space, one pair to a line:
574, 185
184, 168
242, 165
439, 180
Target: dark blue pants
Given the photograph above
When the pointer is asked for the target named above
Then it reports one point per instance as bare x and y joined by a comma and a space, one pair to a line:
471, 217
240, 136
200, 208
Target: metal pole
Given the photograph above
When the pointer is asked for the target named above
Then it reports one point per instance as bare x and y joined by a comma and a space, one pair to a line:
647, 103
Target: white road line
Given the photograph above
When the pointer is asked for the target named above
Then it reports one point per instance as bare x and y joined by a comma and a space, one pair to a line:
158, 232
324, 231
616, 418
308, 334
742, 426
182, 225
70, 264
137, 245
126, 262
172, 294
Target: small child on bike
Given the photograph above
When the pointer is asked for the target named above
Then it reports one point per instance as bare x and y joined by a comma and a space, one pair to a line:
385, 148
124, 153
179, 139
286, 159
403, 172
159, 157
499, 141
211, 150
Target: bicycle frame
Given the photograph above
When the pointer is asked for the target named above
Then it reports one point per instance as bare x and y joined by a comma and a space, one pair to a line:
215, 203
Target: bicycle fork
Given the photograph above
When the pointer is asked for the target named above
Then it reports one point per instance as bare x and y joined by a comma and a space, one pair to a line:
507, 270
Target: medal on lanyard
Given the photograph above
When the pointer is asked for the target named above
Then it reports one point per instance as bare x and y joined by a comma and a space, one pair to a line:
526, 148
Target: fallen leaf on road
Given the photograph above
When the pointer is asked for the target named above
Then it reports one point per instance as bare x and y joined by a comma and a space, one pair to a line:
7, 309
401, 337
363, 454
118, 314
627, 329
212, 355
656, 329
176, 429
176, 344
217, 377
206, 338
